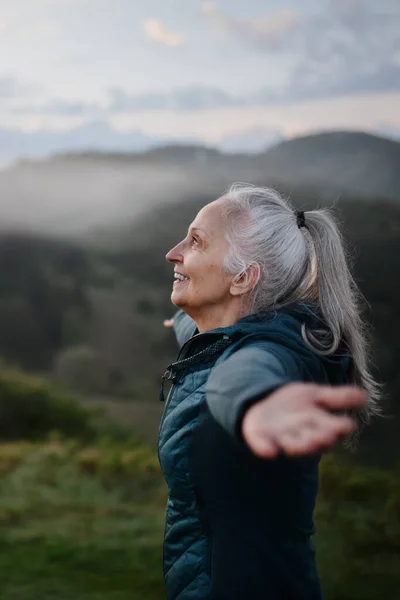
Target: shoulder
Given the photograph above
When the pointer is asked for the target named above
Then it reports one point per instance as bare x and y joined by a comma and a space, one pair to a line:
255, 352
184, 327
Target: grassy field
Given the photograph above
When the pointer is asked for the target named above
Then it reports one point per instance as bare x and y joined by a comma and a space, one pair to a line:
85, 522
80, 523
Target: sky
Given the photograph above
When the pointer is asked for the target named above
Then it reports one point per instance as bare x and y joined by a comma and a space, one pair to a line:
189, 69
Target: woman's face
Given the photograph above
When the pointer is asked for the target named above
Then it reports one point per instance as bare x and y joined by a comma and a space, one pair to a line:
198, 259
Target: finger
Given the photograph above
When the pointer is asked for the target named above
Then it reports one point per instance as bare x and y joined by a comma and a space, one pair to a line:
262, 445
340, 398
168, 322
323, 421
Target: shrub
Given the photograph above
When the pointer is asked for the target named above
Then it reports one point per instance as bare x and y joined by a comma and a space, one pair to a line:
358, 531
30, 409
46, 477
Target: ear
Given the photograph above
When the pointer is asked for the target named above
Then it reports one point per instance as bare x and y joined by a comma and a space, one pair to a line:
246, 280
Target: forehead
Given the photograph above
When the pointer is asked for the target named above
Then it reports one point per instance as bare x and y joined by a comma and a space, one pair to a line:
210, 219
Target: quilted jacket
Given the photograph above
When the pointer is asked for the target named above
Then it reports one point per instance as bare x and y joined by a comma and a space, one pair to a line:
238, 527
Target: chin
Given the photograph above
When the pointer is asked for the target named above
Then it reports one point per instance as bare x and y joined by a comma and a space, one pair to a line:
177, 300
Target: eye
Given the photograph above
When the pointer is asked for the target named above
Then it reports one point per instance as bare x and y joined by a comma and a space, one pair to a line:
194, 241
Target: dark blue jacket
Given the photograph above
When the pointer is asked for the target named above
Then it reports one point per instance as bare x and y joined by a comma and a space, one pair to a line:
238, 527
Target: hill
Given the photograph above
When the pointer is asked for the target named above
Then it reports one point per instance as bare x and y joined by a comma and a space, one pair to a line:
73, 194
350, 162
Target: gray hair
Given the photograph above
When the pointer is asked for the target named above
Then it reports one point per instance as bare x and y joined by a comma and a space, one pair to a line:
306, 264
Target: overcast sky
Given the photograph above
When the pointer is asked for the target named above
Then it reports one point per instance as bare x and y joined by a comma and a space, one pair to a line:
187, 68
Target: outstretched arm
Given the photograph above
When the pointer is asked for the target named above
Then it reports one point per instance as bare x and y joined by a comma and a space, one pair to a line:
297, 419
259, 398
184, 327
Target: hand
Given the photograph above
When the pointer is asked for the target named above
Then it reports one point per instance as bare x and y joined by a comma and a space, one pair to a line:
168, 323
296, 419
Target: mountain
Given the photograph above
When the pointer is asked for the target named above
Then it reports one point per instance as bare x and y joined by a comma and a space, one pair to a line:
332, 163
78, 193
350, 162
96, 136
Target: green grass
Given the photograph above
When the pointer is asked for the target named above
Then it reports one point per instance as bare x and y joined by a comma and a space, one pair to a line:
365, 573
358, 531
86, 522
80, 523
49, 566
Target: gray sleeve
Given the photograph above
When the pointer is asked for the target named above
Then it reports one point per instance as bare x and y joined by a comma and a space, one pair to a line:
184, 327
248, 375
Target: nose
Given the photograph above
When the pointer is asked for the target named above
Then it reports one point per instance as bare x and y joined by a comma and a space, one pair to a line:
174, 255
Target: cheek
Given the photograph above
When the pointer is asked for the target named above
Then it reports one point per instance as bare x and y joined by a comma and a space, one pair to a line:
212, 282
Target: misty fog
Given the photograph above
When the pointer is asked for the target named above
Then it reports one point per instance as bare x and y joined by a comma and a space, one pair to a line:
92, 194
76, 195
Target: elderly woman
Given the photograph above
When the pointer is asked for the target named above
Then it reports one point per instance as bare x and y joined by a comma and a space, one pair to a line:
270, 338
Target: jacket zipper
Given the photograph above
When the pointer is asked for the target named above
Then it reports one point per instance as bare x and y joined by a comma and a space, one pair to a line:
169, 374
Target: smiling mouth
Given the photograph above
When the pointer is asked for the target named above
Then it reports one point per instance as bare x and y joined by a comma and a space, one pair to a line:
180, 278
177, 282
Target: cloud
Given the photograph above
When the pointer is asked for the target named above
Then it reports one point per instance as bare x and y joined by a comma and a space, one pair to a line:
267, 31
189, 98
26, 98
17, 32
92, 134
252, 140
57, 2
388, 130
118, 100
11, 88
159, 34
349, 46
68, 108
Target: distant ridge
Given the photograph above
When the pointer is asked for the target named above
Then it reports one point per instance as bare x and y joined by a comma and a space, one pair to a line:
344, 162
76, 192
350, 162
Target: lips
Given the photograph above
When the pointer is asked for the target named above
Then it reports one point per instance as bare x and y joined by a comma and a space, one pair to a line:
179, 282
180, 277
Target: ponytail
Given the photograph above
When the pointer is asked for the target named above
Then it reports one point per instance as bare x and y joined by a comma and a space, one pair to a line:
339, 301
302, 259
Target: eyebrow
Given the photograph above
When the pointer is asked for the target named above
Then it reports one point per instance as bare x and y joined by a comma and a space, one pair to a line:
197, 229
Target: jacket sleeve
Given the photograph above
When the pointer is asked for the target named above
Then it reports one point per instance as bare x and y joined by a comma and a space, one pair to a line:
184, 327
248, 375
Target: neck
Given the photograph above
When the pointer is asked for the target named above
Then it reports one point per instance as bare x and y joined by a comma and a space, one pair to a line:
215, 317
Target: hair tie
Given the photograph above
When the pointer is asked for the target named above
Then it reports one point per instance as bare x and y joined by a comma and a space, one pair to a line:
300, 218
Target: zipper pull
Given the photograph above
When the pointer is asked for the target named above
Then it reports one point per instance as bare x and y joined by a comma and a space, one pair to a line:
167, 375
